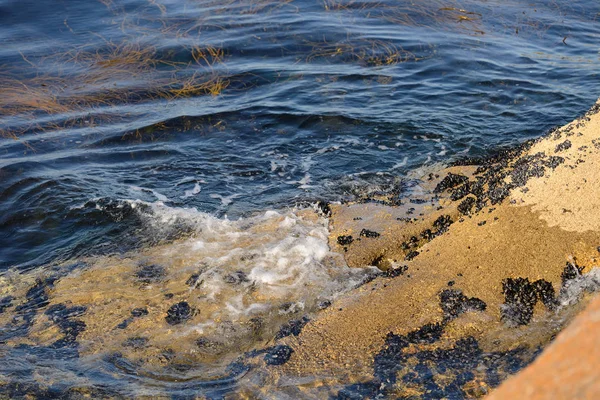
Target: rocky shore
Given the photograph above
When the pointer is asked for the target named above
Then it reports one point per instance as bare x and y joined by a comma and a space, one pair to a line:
455, 291
487, 272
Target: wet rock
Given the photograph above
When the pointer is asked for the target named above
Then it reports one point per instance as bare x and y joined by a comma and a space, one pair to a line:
456, 366
5, 302
135, 313
563, 146
63, 316
37, 296
289, 307
324, 208
345, 240
179, 313
460, 192
466, 206
192, 280
27, 390
571, 360
71, 333
463, 358
453, 303
60, 312
278, 355
72, 329
235, 369
256, 325
390, 359
152, 273
418, 201
427, 334
369, 234
498, 193
427, 234
380, 262
180, 368
370, 275
546, 293
90, 392
136, 342
571, 271
168, 354
526, 168
553, 161
209, 346
520, 297
292, 327
358, 391
324, 304
442, 223
125, 323
450, 181
472, 187
139, 312
235, 278
394, 272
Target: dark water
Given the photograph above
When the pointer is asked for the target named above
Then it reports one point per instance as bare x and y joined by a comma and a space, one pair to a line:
233, 107
317, 100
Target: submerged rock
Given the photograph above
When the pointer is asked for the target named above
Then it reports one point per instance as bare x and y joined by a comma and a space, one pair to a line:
179, 313
278, 355
345, 240
152, 273
369, 234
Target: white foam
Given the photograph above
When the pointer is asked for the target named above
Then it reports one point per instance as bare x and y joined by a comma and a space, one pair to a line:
401, 163
304, 182
159, 196
574, 289
274, 263
225, 200
192, 192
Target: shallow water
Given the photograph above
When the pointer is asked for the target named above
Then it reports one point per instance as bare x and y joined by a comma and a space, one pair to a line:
201, 111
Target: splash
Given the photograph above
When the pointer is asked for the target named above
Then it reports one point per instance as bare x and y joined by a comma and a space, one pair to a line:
227, 287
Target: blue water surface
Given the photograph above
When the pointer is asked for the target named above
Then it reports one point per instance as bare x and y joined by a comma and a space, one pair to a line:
306, 100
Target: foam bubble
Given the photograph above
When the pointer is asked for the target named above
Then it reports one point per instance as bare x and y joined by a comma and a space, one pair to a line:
225, 200
159, 196
270, 267
574, 289
192, 192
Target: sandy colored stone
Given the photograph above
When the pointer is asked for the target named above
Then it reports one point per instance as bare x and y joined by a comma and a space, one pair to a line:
537, 231
569, 196
518, 244
532, 239
219, 328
